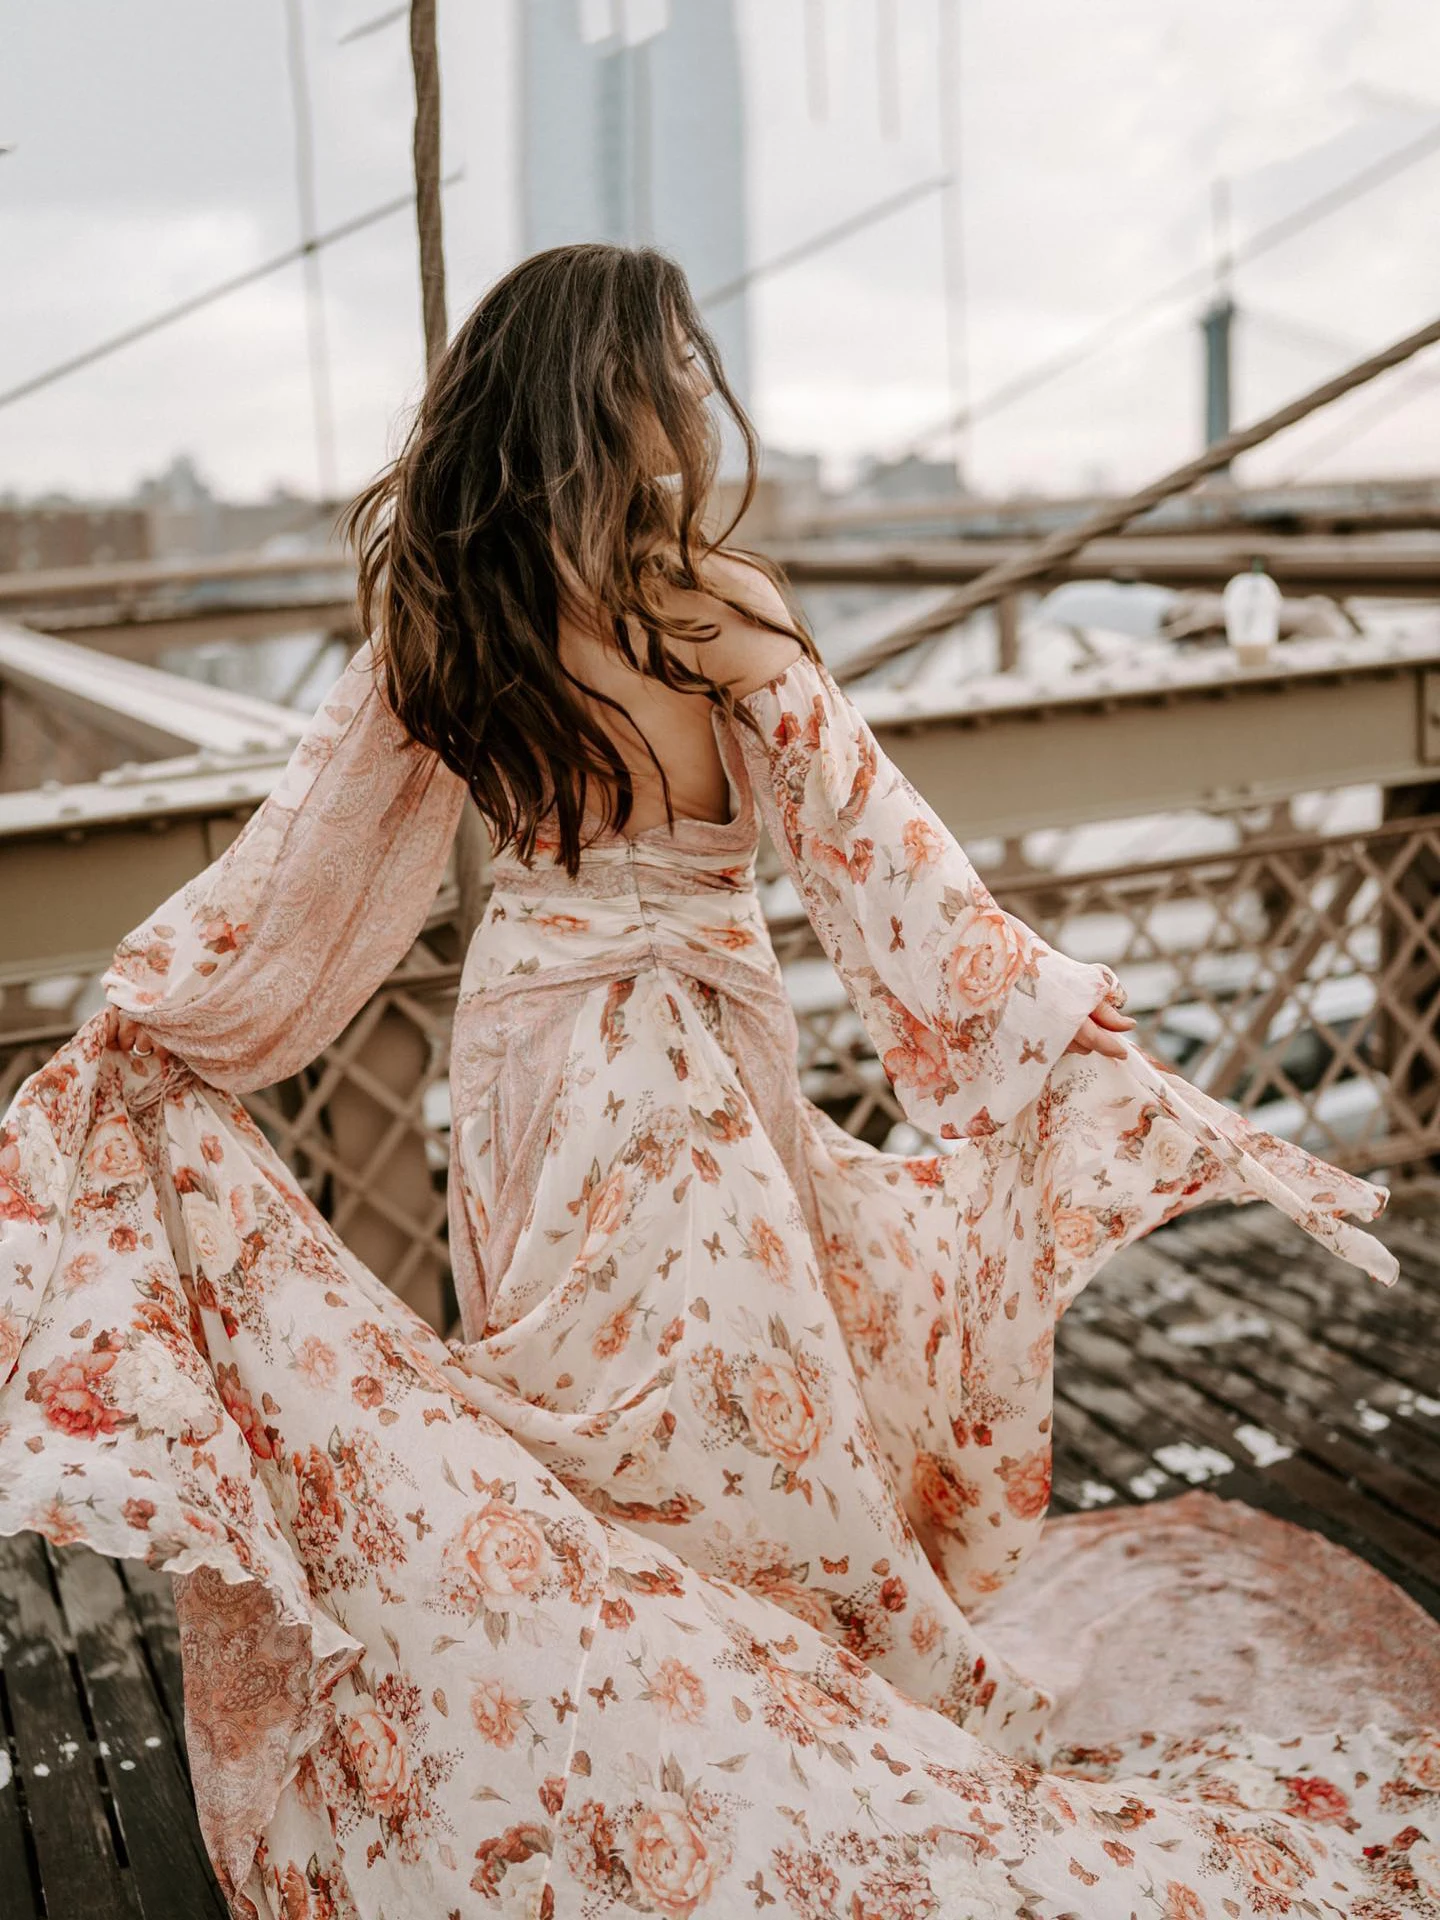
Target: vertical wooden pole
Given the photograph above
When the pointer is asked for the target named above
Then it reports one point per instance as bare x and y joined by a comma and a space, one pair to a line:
1007, 633
425, 64
472, 843
1007, 660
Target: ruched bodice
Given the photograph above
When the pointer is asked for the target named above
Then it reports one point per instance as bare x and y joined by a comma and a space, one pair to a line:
675, 908
684, 896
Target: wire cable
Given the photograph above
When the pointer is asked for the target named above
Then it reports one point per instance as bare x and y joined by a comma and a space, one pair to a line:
402, 203
1193, 280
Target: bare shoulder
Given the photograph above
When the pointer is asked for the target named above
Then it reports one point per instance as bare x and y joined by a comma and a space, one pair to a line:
744, 653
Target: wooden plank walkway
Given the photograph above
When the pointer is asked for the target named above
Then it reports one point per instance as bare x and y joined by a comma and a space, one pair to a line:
1229, 1350
1226, 1350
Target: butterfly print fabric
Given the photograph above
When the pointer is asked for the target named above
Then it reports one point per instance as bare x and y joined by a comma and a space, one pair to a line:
706, 1571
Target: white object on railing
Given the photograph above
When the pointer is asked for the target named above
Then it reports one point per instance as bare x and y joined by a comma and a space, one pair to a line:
1252, 614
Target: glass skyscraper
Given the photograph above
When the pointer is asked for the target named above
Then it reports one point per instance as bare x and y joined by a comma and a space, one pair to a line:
632, 130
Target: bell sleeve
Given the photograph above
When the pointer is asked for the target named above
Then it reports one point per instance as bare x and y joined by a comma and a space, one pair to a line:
255, 965
967, 1009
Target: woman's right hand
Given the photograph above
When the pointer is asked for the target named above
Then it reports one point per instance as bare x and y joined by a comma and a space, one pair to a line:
1101, 1032
139, 1043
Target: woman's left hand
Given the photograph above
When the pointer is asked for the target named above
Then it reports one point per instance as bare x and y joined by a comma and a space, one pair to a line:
140, 1044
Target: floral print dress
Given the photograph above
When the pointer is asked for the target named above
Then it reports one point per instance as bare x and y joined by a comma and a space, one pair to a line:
678, 1584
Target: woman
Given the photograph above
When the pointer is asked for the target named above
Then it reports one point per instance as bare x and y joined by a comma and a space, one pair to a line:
678, 1584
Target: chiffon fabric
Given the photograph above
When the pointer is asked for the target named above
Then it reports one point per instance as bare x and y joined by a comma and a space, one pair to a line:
708, 1571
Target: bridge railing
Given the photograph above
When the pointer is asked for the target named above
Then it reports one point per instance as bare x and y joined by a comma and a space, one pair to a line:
1296, 976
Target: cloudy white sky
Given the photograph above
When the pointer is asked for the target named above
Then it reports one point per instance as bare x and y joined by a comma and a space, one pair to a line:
152, 154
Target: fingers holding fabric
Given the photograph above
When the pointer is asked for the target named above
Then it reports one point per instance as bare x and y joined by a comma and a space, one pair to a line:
1102, 1032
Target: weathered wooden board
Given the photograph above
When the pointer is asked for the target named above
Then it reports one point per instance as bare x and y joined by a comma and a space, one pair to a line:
149, 1786
70, 1826
1310, 1391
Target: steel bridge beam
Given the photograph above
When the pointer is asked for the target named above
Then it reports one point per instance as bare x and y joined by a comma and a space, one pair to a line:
152, 711
1128, 740
1339, 566
80, 866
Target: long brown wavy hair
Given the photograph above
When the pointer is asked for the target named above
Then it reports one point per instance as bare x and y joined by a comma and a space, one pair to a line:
535, 438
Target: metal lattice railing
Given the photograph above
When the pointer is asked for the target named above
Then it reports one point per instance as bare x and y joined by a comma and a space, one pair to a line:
1298, 978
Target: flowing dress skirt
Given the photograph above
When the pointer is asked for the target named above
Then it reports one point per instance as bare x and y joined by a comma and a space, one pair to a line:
708, 1572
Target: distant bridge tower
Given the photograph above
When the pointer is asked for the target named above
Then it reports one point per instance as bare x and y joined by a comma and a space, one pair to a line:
1217, 325
632, 130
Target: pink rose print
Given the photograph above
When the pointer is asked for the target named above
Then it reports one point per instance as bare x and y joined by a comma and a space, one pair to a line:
824, 1714
679, 1692
732, 938
787, 1413
857, 1306
380, 1757
499, 1557
113, 1158
926, 1631
321, 1515
213, 1239
58, 1523
498, 1714
243, 1412
70, 1396
922, 846
525, 1846
983, 970
1271, 1867
1027, 1483
673, 1861
1316, 1799
295, 1894
316, 1362
920, 1064
605, 1206
1075, 1230
1422, 1764
219, 935
12, 1338
612, 1336
804, 1602
82, 1271
770, 1250
1182, 1903
944, 1496
17, 1202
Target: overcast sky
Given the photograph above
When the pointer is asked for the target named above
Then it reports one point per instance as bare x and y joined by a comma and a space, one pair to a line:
152, 154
